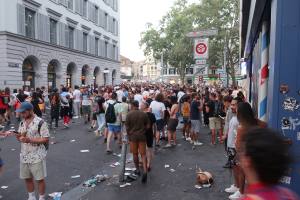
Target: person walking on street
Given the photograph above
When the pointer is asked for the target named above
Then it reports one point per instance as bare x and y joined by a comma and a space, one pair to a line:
150, 133
77, 102
157, 107
173, 121
100, 113
65, 106
86, 105
54, 107
196, 108
214, 120
137, 136
34, 136
113, 119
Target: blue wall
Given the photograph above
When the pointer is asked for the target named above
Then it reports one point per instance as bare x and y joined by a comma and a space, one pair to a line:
285, 69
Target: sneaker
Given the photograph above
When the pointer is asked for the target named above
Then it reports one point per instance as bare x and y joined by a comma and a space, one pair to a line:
144, 178
137, 172
188, 139
232, 189
198, 143
75, 117
32, 198
168, 146
227, 165
237, 195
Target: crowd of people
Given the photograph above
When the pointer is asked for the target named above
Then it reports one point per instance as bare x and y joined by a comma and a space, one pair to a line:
149, 115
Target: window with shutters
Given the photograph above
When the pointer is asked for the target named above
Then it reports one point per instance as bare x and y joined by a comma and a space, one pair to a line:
114, 52
96, 17
70, 4
85, 41
106, 21
85, 7
53, 31
29, 23
106, 49
71, 37
97, 46
114, 26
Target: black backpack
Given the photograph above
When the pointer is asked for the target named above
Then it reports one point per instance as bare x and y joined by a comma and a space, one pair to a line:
110, 115
39, 131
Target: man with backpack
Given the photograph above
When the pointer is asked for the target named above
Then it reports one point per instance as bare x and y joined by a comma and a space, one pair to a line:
33, 135
113, 119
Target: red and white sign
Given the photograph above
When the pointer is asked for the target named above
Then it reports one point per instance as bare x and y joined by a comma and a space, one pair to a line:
201, 49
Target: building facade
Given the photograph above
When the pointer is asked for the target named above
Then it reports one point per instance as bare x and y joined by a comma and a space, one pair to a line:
147, 70
126, 68
54, 42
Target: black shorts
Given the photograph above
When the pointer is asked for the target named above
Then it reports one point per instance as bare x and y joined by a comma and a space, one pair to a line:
160, 124
149, 141
2, 111
186, 120
94, 116
232, 156
172, 124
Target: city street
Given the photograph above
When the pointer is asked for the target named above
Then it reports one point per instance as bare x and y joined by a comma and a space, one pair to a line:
65, 160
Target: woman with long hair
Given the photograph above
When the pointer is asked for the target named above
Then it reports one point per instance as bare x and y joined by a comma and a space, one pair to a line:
35, 101
173, 121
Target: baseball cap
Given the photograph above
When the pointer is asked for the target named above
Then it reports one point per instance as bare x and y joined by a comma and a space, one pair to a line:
25, 106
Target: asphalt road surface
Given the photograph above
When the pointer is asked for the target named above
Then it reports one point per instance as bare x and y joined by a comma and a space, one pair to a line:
65, 160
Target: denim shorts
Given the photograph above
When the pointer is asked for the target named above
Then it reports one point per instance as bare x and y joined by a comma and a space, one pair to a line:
114, 128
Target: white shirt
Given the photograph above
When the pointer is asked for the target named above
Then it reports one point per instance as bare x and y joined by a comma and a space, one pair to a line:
179, 95
146, 94
77, 95
157, 109
234, 93
139, 98
232, 132
120, 95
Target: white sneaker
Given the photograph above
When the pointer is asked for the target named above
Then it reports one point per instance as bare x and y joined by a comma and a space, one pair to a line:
237, 195
75, 117
188, 139
31, 198
168, 146
198, 143
232, 189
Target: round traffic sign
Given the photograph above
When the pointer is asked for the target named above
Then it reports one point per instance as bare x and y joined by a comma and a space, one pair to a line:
201, 48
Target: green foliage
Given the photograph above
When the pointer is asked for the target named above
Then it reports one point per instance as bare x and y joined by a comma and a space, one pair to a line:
169, 38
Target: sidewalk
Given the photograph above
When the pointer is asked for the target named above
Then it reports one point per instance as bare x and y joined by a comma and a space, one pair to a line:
164, 184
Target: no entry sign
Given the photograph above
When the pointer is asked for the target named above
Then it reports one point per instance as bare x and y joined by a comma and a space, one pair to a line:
201, 49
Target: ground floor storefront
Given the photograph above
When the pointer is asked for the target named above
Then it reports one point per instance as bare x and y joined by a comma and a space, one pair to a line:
26, 62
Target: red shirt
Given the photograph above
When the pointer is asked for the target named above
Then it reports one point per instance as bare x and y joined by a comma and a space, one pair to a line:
4, 100
264, 192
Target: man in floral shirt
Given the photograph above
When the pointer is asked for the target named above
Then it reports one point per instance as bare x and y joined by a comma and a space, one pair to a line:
34, 136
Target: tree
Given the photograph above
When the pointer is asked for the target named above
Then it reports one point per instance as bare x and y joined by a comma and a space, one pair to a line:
223, 15
170, 38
